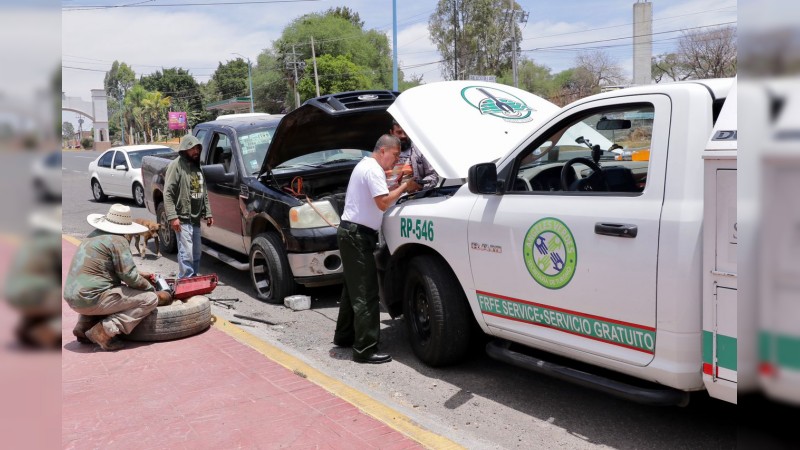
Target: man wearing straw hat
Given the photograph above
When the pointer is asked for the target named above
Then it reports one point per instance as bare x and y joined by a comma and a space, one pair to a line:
104, 285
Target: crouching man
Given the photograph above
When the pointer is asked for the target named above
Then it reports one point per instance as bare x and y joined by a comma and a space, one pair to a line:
104, 285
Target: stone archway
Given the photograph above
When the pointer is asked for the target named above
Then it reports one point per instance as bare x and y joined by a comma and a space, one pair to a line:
97, 110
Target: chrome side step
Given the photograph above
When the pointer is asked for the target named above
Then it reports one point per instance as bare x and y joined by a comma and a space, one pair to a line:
235, 263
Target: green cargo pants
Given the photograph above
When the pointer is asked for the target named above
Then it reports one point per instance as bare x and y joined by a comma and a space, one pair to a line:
359, 311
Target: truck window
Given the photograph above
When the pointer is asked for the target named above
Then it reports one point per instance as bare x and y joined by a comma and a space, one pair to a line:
220, 152
254, 147
617, 140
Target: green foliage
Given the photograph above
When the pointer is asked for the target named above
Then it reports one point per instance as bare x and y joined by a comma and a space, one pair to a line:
346, 13
67, 130
231, 79
119, 80
87, 143
532, 77
476, 36
403, 84
270, 90
336, 36
336, 74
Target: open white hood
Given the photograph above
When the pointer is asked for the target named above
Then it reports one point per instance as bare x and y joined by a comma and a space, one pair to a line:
457, 124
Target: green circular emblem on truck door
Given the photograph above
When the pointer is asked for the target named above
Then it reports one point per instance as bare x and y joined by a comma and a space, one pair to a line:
550, 253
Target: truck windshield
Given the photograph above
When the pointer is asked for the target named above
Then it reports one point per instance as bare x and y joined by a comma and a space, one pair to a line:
254, 145
325, 158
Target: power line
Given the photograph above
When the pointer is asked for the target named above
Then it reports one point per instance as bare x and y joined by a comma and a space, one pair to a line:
177, 5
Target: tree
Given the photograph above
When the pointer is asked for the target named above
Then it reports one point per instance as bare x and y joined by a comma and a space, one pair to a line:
135, 118
155, 107
598, 68
347, 14
709, 54
231, 79
67, 131
182, 89
119, 80
669, 67
532, 77
270, 90
336, 36
473, 36
336, 74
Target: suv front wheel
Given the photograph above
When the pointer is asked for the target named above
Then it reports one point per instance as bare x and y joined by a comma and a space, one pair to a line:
269, 269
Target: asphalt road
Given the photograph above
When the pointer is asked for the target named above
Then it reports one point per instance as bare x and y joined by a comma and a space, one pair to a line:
479, 404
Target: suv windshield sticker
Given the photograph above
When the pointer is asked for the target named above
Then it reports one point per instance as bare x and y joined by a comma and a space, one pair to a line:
610, 331
249, 142
420, 229
550, 253
497, 103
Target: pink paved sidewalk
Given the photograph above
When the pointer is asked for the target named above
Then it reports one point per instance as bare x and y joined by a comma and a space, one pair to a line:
205, 391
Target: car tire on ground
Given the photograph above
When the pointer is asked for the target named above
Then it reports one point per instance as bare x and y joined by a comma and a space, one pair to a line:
166, 235
269, 269
174, 321
138, 195
436, 313
97, 192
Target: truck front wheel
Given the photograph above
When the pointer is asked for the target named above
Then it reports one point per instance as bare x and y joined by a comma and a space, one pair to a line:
436, 313
269, 269
166, 235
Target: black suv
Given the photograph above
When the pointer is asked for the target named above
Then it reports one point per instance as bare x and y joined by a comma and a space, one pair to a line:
277, 185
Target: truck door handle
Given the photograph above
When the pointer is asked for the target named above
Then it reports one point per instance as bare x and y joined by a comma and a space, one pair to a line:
616, 229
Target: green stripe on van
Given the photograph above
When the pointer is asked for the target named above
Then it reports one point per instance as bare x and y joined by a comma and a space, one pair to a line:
781, 350
726, 350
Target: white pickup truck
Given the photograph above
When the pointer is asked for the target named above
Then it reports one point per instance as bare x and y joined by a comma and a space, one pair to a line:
601, 234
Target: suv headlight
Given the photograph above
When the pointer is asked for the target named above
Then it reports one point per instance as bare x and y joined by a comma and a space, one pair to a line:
304, 216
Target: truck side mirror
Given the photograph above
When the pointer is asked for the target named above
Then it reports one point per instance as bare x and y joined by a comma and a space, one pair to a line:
215, 173
482, 179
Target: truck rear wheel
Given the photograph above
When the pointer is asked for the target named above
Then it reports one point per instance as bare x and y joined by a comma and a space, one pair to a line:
166, 235
436, 313
269, 269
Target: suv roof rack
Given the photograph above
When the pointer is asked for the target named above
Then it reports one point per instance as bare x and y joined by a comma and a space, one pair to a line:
354, 100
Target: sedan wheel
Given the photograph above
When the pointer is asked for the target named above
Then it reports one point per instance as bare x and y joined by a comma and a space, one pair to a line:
138, 195
97, 192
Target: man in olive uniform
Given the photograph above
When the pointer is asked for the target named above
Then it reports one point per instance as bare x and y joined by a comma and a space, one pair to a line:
104, 285
358, 324
186, 204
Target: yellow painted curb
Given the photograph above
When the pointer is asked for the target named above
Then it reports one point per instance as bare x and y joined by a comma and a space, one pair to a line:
362, 401
71, 240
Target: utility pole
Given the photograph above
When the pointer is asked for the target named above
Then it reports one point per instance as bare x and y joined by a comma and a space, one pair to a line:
294, 63
314, 58
516, 17
394, 45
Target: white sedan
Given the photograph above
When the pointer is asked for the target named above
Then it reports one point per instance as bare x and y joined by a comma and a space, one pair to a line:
118, 172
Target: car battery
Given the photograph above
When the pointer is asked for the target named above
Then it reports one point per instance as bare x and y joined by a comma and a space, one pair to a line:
185, 288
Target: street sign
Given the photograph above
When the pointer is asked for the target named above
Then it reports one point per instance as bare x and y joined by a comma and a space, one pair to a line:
489, 78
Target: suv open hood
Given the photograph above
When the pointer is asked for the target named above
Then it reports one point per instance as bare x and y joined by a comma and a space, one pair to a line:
457, 124
353, 120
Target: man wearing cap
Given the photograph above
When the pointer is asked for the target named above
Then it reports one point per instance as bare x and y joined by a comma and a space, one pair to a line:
186, 204
103, 284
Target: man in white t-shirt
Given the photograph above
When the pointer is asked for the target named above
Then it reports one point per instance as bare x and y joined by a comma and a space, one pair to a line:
367, 198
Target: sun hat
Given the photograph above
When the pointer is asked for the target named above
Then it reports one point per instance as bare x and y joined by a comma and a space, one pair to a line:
117, 221
188, 142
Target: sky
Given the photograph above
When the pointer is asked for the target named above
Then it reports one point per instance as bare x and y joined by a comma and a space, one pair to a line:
199, 37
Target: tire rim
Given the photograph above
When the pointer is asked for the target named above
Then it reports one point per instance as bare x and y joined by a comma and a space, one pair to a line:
96, 190
420, 310
164, 230
138, 193
259, 272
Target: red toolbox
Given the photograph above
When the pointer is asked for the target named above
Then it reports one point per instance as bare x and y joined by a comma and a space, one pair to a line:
186, 288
